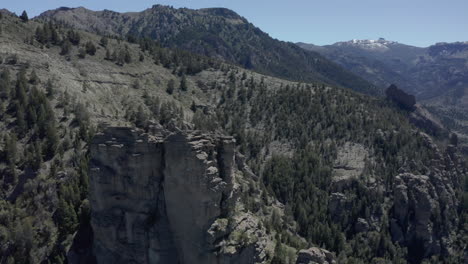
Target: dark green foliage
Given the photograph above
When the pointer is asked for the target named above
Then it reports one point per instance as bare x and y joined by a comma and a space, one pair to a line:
183, 84
241, 43
141, 118
66, 47
74, 37
47, 34
33, 78
31, 145
108, 55
5, 84
136, 84
316, 121
90, 48
51, 140
50, 89
182, 61
104, 41
11, 150
66, 217
170, 86
81, 53
24, 16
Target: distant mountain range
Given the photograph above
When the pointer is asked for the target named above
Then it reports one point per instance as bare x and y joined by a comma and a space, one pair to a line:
424, 72
436, 75
215, 32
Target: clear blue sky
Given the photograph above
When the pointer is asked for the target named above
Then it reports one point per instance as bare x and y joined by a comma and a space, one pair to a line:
414, 22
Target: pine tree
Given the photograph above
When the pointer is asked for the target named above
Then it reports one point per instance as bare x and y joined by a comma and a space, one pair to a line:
11, 149
34, 79
74, 37
11, 155
90, 48
50, 89
5, 84
108, 55
183, 84
127, 56
66, 47
51, 140
21, 124
141, 117
104, 41
24, 16
170, 86
81, 53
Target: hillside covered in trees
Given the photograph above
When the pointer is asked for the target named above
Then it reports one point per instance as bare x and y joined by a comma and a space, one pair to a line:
352, 175
214, 32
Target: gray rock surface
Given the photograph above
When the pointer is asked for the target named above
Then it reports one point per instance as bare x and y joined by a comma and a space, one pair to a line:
315, 255
349, 165
422, 218
172, 199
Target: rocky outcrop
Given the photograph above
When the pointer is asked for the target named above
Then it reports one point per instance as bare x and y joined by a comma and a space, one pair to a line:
423, 119
423, 220
404, 100
349, 165
315, 255
171, 199
424, 215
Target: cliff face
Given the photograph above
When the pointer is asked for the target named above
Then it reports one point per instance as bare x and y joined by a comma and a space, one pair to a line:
174, 199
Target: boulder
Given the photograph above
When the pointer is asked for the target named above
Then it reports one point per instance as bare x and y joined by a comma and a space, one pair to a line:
315, 255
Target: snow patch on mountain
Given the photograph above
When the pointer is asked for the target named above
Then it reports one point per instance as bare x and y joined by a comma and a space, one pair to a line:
380, 44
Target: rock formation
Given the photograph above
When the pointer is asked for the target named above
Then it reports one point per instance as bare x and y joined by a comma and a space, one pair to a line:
404, 100
315, 255
423, 210
171, 199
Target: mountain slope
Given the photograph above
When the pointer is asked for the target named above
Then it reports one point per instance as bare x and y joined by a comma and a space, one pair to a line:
436, 75
217, 33
321, 166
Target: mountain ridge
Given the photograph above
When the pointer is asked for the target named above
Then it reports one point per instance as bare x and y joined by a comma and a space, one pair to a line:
91, 123
216, 33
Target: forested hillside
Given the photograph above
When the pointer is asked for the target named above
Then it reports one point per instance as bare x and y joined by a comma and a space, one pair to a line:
215, 32
350, 172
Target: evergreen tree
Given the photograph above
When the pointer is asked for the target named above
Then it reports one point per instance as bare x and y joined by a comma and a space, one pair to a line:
5, 84
108, 55
74, 37
81, 53
11, 150
170, 86
141, 119
24, 16
66, 47
183, 84
104, 41
51, 138
21, 124
34, 79
127, 56
50, 89
90, 48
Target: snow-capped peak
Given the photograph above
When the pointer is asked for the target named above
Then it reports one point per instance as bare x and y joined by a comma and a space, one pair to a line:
380, 44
